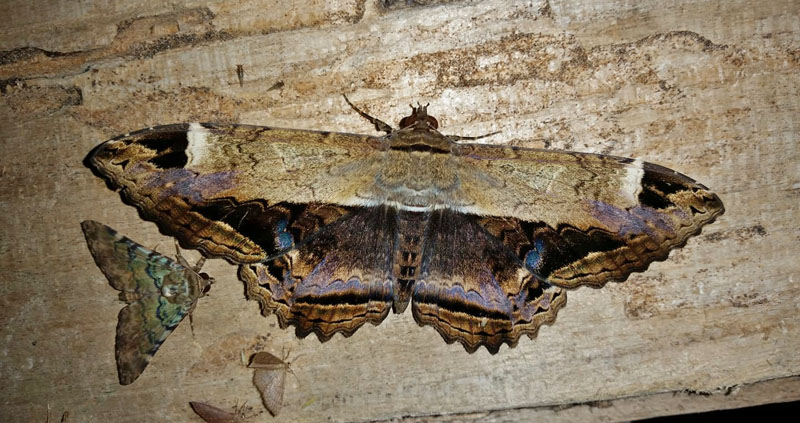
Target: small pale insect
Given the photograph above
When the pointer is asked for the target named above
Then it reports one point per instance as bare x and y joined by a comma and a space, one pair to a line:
269, 378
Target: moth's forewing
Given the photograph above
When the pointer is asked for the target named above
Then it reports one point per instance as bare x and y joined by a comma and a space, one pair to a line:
265, 360
212, 414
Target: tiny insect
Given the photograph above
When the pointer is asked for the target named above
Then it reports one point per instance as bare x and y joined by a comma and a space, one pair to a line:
269, 378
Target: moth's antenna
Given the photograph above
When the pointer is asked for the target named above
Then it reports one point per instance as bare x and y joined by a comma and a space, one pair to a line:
461, 138
379, 124
289, 368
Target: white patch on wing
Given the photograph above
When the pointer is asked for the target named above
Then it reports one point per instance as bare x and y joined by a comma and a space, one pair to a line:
363, 201
632, 184
198, 144
433, 207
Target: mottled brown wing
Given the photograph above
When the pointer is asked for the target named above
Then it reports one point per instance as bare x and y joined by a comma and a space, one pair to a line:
621, 215
334, 282
463, 281
239, 192
472, 289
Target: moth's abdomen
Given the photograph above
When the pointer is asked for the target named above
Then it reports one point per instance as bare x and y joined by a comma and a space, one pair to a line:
412, 234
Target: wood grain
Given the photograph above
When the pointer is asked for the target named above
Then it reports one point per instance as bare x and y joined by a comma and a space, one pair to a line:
711, 89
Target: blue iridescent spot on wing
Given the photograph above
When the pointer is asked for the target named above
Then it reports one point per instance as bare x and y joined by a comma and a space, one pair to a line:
533, 259
285, 239
169, 314
156, 268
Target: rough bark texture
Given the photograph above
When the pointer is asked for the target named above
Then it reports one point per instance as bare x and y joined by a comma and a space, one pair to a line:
711, 89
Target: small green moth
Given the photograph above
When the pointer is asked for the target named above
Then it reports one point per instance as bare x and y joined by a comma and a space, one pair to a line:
159, 292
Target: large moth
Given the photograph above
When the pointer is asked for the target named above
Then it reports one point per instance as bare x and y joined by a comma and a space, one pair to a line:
332, 230
159, 293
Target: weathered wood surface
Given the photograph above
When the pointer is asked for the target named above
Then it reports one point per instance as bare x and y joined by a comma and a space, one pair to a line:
711, 89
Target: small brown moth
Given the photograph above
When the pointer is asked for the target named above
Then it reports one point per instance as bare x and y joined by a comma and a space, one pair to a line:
159, 292
212, 414
335, 230
269, 378
240, 74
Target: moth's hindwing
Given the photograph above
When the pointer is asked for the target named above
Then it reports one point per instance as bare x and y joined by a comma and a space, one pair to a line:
332, 230
269, 377
460, 279
270, 384
336, 281
472, 289
158, 291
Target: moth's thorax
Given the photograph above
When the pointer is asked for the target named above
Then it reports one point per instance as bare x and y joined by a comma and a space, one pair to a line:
419, 139
185, 288
417, 170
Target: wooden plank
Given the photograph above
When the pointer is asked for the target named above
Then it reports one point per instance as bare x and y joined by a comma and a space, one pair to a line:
707, 88
637, 407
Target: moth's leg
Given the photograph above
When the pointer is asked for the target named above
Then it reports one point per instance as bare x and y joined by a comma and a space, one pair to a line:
290, 370
379, 124
182, 261
285, 359
240, 411
460, 138
199, 265
191, 324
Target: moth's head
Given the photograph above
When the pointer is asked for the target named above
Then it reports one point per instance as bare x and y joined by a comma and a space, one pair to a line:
205, 283
419, 119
